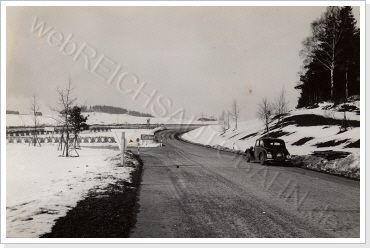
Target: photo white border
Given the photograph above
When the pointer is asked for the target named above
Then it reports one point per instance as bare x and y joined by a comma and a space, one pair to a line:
5, 240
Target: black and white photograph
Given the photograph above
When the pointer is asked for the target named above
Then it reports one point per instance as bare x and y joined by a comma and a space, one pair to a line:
190, 122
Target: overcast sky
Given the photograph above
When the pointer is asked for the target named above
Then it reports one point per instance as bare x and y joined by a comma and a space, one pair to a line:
201, 58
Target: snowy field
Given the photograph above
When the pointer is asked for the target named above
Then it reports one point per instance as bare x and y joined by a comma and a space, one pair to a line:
41, 186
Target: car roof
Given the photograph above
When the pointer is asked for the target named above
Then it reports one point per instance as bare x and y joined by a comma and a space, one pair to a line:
267, 138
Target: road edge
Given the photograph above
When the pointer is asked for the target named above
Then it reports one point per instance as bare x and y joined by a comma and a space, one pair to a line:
297, 161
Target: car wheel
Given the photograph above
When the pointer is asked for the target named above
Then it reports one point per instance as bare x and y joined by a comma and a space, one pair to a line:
263, 158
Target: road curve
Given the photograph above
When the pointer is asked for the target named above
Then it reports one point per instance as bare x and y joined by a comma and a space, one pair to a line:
190, 191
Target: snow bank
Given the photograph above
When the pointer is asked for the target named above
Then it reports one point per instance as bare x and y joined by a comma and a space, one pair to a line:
41, 186
348, 166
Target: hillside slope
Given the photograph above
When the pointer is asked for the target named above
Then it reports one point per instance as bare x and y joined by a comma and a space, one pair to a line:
305, 131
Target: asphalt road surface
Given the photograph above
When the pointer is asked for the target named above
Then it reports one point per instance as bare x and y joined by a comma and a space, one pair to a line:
190, 191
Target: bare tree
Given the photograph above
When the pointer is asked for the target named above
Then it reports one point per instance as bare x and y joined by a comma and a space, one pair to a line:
323, 46
227, 120
234, 113
345, 123
223, 121
264, 112
35, 111
280, 106
24, 124
66, 101
329, 115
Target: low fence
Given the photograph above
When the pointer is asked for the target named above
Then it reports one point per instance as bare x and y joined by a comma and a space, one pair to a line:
15, 140
22, 133
28, 131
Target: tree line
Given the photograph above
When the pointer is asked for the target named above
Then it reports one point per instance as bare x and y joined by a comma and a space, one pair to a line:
11, 112
331, 67
113, 110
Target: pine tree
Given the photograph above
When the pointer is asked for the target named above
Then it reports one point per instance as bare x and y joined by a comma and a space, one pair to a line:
322, 46
350, 43
76, 120
331, 55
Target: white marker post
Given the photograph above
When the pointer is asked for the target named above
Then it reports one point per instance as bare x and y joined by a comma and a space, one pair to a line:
123, 146
138, 146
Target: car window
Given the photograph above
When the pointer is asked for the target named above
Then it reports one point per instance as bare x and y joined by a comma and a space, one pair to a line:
257, 143
261, 143
276, 144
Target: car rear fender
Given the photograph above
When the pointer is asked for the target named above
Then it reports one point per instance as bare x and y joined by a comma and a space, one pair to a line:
263, 151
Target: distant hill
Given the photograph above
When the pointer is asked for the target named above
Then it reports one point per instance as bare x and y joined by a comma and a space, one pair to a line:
207, 119
11, 112
113, 110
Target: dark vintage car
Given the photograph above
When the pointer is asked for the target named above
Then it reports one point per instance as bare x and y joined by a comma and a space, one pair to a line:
270, 150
